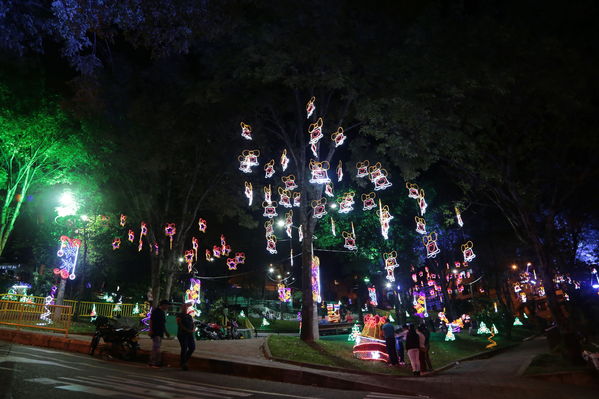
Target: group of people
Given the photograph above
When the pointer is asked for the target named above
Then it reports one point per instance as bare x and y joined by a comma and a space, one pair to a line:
415, 341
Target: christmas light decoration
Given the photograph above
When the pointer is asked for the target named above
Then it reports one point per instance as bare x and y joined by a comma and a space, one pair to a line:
310, 107
135, 309
289, 182
319, 172
594, 279
390, 265
350, 241
265, 322
271, 244
355, 332
333, 315
346, 202
483, 329
192, 295
143, 232
288, 223
68, 251
384, 218
284, 197
269, 169
240, 258
267, 194
49, 300
339, 171
155, 248
468, 252
296, 199
422, 202
131, 236
315, 279
123, 220
328, 190
315, 131
319, 208
208, 255
338, 137
268, 228
517, 322
458, 217
420, 225
116, 243
284, 160
378, 176
490, 339
189, 255
195, 244
300, 233
93, 313
362, 168
368, 202
202, 225
284, 293
270, 209
333, 227
419, 303
413, 190
170, 230
430, 242
216, 251
449, 336
372, 296
246, 131
225, 250
249, 192
232, 263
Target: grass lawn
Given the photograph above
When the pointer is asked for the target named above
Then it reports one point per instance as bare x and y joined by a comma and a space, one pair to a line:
291, 326
336, 351
551, 363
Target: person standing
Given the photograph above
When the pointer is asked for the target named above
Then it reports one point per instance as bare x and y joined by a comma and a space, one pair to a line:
185, 330
425, 360
400, 337
414, 341
389, 334
157, 332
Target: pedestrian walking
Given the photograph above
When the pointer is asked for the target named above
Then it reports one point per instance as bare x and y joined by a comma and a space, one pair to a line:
185, 330
389, 334
414, 341
157, 332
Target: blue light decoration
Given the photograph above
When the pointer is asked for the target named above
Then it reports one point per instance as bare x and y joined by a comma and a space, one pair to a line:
69, 249
594, 279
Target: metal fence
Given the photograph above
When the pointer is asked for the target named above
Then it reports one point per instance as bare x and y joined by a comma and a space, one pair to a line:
36, 315
35, 299
111, 309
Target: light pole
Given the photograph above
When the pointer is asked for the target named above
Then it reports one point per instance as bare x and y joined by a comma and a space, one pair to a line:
68, 206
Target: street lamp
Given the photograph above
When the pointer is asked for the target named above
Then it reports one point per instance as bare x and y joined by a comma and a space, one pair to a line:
68, 204
514, 266
333, 205
271, 269
280, 223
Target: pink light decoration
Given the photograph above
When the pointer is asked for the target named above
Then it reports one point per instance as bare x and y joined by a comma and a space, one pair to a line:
284, 197
240, 258
270, 210
319, 172
430, 242
421, 202
131, 236
143, 232
338, 137
223, 240
314, 149
156, 248
246, 131
116, 243
68, 252
315, 130
268, 227
288, 223
225, 250
202, 225
379, 177
390, 265
195, 244
189, 255
368, 202
347, 202
350, 240
297, 199
319, 208
328, 190
123, 220
249, 192
458, 217
362, 168
208, 255
216, 251
247, 159
372, 296
384, 217
271, 244
267, 194
284, 293
468, 252
339, 171
310, 107
413, 190
170, 230
420, 225
232, 263
284, 160
289, 182
315, 279
269, 169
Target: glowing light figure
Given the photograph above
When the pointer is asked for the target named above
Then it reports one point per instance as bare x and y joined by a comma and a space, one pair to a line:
68, 252
420, 304
368, 202
594, 279
319, 172
195, 245
208, 255
347, 202
378, 176
328, 190
285, 197
284, 293
517, 322
362, 168
265, 322
155, 248
284, 160
288, 223
523, 297
300, 234
225, 250
240, 258
310, 107
458, 217
315, 131
246, 131
271, 244
48, 301
297, 199
170, 230
116, 243
483, 329
338, 137
192, 295
270, 209
319, 208
223, 240
468, 252
315, 279
420, 225
385, 219
269, 169
450, 336
430, 242
289, 182
333, 227
93, 313
267, 194
413, 190
422, 202
372, 295
123, 220
189, 256
232, 263
202, 225
269, 228
131, 236
355, 332
248, 159
135, 309
249, 192
390, 265
350, 240
216, 251
142, 233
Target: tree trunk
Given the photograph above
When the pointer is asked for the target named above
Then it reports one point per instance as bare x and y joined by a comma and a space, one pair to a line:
155, 273
83, 268
60, 294
309, 331
169, 284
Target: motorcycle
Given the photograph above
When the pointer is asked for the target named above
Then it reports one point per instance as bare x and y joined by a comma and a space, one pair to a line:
121, 335
210, 331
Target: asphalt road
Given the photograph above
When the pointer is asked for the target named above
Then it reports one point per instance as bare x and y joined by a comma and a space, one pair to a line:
31, 372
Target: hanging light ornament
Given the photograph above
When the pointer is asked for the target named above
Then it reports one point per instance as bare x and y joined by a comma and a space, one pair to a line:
284, 293
390, 265
315, 131
346, 202
288, 223
267, 194
468, 252
430, 242
310, 107
378, 176
384, 217
155, 248
271, 244
315, 279
284, 197
232, 263
319, 208
143, 232
268, 227
420, 225
246, 131
333, 227
249, 192
195, 244
240, 258
413, 190
422, 202
270, 209
208, 255
458, 217
202, 225
319, 172
297, 199
338, 137
269, 169
362, 168
248, 159
350, 240
116, 243
339, 171
131, 236
372, 295
68, 252
368, 202
189, 255
328, 190
284, 160
123, 220
216, 251
300, 234
170, 230
289, 182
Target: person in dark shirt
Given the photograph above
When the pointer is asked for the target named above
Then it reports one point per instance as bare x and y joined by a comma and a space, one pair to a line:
389, 333
425, 360
185, 330
157, 331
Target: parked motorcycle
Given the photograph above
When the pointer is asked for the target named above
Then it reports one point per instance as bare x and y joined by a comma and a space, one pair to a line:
209, 331
121, 335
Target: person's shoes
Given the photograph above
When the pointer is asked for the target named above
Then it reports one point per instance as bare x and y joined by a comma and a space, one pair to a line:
418, 373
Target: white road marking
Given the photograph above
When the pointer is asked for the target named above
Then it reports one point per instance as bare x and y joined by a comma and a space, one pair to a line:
183, 385
46, 381
18, 359
96, 391
381, 395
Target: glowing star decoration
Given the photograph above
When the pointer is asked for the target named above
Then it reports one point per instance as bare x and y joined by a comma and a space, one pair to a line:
288, 223
269, 169
310, 107
208, 255
430, 242
328, 190
315, 279
123, 220
346, 202
246, 131
225, 250
189, 255
267, 194
143, 232
170, 230
195, 244
271, 244
270, 209
232, 263
362, 168
319, 208
420, 225
468, 252
284, 160
297, 199
216, 251
338, 137
339, 171
284, 293
458, 217
517, 322
116, 243
390, 265
269, 228
372, 295
202, 225
284, 197
68, 252
240, 258
49, 300
449, 336
131, 236
289, 182
249, 192
385, 219
350, 241
422, 202
368, 202
319, 172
